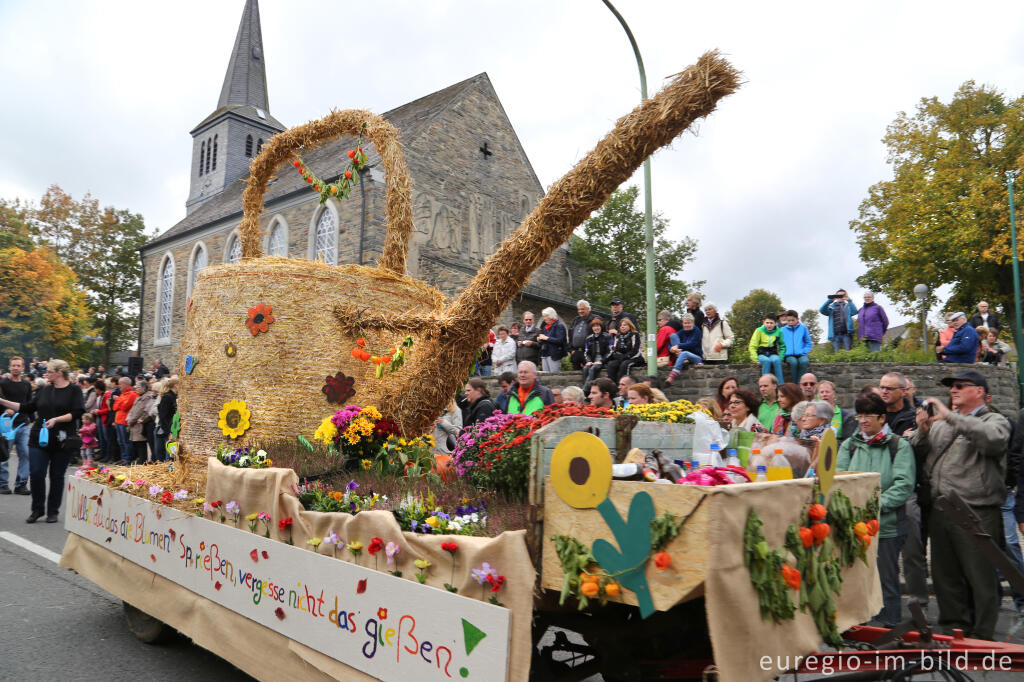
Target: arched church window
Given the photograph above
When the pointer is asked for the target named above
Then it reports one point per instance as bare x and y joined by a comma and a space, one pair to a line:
214, 152
327, 237
202, 156
248, 146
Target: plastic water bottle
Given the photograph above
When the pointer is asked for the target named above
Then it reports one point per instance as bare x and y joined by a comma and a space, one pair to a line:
733, 459
694, 465
762, 473
44, 436
715, 457
756, 460
779, 468
810, 473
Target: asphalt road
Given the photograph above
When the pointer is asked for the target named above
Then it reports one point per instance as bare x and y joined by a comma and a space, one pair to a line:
56, 625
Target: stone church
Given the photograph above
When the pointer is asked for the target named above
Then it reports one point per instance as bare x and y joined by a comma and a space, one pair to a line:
472, 186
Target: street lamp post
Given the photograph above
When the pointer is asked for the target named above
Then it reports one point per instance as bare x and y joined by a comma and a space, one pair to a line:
652, 361
1011, 175
921, 291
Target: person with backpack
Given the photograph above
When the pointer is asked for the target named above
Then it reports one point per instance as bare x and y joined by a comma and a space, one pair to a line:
874, 448
53, 438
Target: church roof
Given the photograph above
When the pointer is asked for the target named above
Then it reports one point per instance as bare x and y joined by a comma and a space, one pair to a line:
329, 160
245, 83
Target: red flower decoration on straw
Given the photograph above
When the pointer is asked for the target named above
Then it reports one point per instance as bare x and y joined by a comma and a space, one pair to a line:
376, 545
285, 524
260, 319
449, 547
339, 388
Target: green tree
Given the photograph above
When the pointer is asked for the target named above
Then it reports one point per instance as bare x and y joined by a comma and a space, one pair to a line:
610, 252
810, 319
943, 217
101, 246
746, 315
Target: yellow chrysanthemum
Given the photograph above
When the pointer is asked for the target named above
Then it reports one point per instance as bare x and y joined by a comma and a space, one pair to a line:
327, 432
371, 412
233, 420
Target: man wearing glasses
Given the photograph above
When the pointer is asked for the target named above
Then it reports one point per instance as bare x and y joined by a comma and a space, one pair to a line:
964, 450
899, 415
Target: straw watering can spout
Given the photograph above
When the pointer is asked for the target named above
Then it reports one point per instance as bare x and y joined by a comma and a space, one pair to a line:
321, 310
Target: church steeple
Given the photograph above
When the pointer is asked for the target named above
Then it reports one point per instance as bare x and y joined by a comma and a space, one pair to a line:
245, 82
224, 143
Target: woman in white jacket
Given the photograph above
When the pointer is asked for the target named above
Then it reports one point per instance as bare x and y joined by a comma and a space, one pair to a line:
503, 357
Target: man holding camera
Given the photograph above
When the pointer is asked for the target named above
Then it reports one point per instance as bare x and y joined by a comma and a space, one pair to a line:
963, 450
840, 311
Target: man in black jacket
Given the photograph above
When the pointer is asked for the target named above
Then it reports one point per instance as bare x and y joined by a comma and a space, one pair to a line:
899, 413
984, 318
578, 333
527, 345
618, 314
19, 390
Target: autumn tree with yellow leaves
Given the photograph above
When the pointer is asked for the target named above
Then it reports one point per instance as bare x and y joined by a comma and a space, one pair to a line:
943, 218
43, 311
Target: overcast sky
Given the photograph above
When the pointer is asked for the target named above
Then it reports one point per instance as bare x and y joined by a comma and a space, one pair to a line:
100, 96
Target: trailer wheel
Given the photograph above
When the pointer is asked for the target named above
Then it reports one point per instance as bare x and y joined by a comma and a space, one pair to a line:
145, 627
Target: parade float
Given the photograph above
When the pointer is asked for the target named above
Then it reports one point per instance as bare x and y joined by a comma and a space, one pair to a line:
334, 580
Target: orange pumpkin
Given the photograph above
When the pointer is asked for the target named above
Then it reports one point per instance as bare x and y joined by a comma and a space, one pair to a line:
443, 467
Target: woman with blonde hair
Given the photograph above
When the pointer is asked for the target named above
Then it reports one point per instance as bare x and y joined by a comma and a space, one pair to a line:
53, 439
447, 425
572, 395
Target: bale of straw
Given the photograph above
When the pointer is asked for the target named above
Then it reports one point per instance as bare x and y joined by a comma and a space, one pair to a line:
280, 373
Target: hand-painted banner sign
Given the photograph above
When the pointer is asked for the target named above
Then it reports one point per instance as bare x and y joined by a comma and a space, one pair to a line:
385, 626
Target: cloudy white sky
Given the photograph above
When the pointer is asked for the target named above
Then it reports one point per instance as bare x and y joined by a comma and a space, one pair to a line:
100, 96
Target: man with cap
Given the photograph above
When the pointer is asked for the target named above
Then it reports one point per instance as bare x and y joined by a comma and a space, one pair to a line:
618, 315
963, 347
964, 451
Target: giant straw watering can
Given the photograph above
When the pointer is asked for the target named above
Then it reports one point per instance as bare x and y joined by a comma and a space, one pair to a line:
271, 331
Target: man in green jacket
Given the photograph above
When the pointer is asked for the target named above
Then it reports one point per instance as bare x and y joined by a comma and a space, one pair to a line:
964, 451
873, 448
768, 385
526, 395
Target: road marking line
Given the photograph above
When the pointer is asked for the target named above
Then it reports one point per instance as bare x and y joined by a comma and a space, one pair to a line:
30, 546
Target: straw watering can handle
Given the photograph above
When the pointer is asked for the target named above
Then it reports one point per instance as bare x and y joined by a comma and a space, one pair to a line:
284, 147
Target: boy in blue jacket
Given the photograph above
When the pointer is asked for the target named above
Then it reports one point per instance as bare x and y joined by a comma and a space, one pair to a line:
798, 345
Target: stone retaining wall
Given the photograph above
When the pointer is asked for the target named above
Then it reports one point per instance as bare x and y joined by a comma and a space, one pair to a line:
849, 378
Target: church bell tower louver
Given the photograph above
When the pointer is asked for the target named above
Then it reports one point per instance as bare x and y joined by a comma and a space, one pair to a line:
225, 142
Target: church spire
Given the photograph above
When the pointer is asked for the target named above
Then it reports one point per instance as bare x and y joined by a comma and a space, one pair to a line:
245, 82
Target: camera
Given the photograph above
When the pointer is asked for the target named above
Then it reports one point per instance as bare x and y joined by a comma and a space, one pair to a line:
929, 407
